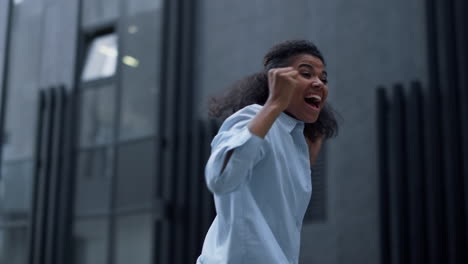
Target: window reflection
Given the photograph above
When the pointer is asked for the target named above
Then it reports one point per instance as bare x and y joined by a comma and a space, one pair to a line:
140, 76
13, 241
15, 191
97, 116
93, 182
136, 174
101, 60
90, 241
134, 239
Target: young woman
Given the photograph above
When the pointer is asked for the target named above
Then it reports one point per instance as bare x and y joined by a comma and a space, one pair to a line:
259, 168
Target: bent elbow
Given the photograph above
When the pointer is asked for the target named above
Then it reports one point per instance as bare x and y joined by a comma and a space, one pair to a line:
224, 182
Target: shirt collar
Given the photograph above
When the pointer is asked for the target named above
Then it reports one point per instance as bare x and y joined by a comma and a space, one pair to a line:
289, 123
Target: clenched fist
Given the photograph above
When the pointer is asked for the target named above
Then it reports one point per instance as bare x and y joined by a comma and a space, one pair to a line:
282, 83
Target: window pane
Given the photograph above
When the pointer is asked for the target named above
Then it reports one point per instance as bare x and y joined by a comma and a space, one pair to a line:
134, 239
136, 174
13, 245
16, 191
99, 11
93, 182
97, 116
23, 81
101, 59
138, 6
90, 241
140, 75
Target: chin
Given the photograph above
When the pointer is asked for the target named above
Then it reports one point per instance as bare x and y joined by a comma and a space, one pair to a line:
310, 118
309, 121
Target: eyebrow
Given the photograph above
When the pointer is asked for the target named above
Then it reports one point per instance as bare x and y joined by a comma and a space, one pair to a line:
312, 68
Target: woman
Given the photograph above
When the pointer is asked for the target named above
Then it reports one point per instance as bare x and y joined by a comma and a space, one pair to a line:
259, 168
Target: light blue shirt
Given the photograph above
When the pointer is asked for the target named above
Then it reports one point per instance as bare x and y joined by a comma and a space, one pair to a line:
262, 194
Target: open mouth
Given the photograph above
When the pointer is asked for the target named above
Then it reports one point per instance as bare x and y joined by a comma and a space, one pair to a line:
313, 100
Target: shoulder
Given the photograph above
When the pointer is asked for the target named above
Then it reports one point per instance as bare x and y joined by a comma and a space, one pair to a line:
246, 112
240, 118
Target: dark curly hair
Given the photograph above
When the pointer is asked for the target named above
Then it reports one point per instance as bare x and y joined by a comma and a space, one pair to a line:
253, 89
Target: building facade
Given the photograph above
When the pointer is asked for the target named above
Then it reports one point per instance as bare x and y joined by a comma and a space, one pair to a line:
105, 131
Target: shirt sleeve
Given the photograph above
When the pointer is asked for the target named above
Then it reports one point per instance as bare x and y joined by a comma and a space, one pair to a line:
248, 151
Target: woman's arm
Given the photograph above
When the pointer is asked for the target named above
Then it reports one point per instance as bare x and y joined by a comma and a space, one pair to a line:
282, 83
260, 124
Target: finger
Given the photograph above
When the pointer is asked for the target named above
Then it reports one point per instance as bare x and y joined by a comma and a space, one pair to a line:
292, 74
282, 70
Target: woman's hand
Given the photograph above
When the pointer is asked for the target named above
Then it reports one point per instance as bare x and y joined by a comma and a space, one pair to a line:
314, 148
282, 83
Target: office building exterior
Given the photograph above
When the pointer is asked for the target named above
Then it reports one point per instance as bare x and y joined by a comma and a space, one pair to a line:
105, 131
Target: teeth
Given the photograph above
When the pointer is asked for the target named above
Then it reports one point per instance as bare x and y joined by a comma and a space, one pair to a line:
315, 96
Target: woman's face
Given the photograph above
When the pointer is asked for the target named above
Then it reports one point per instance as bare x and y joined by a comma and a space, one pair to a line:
311, 91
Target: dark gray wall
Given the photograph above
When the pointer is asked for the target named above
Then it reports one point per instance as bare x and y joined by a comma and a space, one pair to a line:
366, 43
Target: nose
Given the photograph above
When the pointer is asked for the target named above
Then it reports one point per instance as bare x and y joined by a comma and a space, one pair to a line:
317, 83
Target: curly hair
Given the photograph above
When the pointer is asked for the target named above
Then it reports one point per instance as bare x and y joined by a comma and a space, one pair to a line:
253, 89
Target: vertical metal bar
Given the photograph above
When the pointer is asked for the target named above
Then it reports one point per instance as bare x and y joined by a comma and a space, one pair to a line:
437, 251
160, 142
56, 159
63, 180
42, 177
51, 194
65, 248
116, 133
179, 104
416, 180
4, 81
170, 81
37, 164
185, 127
461, 20
382, 137
399, 177
447, 70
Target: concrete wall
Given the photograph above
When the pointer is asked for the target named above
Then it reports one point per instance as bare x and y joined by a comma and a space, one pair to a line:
366, 43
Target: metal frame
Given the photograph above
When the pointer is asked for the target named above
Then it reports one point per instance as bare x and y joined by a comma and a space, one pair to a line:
446, 39
435, 186
384, 179
416, 175
399, 176
4, 81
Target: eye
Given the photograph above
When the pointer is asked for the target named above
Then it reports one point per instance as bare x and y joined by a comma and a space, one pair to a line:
306, 74
325, 81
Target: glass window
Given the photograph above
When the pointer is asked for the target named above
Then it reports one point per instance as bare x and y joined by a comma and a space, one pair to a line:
140, 74
13, 241
136, 174
134, 239
95, 12
139, 6
15, 191
90, 241
23, 82
93, 182
97, 115
101, 60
